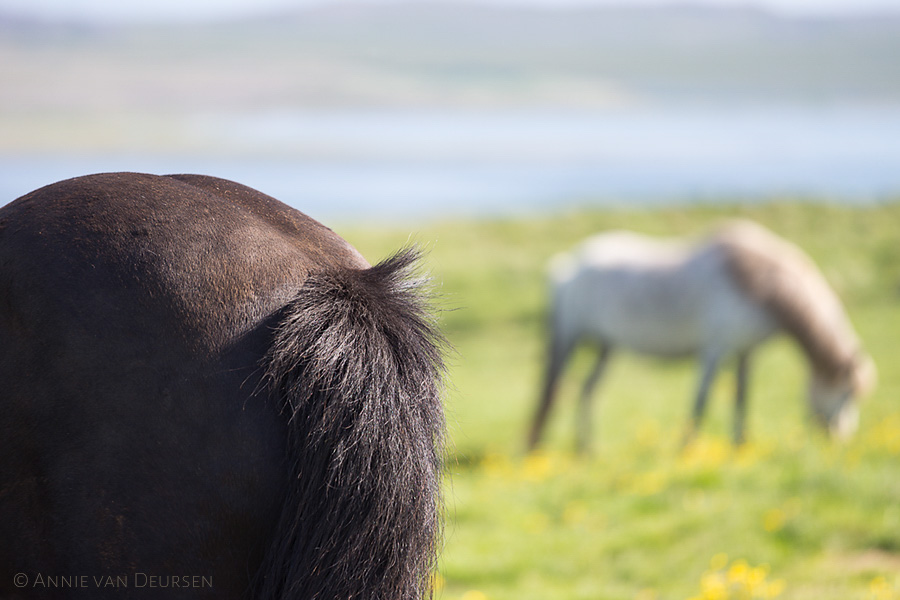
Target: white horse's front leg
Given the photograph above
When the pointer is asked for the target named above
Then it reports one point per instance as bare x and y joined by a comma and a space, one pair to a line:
709, 368
583, 414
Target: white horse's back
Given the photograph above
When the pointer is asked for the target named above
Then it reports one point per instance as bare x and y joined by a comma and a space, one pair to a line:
662, 297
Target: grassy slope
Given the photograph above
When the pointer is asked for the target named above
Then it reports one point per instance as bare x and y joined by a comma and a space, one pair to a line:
640, 520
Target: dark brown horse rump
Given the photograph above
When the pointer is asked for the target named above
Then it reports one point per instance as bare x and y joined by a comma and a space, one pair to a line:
205, 393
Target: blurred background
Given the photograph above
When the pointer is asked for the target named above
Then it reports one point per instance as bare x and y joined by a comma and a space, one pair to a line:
498, 133
427, 109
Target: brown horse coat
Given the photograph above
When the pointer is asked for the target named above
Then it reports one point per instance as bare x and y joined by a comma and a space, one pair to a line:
197, 381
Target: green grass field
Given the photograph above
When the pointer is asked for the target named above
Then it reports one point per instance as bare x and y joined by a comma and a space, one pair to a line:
791, 515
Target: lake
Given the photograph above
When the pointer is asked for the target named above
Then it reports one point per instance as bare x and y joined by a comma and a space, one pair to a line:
425, 164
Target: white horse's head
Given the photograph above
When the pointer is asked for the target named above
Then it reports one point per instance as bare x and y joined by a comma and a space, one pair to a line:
832, 400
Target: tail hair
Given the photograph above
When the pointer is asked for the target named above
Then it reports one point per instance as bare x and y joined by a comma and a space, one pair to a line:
357, 363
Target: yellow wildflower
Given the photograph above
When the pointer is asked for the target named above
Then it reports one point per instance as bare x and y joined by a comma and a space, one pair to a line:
738, 571
706, 452
756, 577
880, 589
739, 581
536, 467
774, 520
713, 587
497, 465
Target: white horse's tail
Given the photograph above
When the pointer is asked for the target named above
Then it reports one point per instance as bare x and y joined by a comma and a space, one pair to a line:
562, 268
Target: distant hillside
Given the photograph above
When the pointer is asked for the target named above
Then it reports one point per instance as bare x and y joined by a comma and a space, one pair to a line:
428, 54
680, 53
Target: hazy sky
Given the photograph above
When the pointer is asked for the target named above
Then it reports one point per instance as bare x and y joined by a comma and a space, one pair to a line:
196, 9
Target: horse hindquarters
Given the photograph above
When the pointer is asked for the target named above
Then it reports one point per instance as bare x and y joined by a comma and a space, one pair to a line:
134, 439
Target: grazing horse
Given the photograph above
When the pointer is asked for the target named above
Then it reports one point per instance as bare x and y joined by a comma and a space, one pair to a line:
204, 393
717, 300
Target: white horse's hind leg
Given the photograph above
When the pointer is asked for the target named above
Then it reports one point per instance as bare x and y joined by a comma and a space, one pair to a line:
583, 415
709, 369
740, 398
559, 353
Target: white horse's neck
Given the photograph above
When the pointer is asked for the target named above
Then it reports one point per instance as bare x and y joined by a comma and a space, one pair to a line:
782, 279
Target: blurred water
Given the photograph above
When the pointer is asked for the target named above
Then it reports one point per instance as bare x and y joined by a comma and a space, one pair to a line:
377, 164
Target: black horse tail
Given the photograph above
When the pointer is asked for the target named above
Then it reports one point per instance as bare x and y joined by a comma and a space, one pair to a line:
357, 363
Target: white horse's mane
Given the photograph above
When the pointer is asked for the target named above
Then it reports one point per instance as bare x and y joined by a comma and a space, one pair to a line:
784, 281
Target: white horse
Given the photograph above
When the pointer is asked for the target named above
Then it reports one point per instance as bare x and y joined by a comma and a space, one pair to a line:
718, 300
